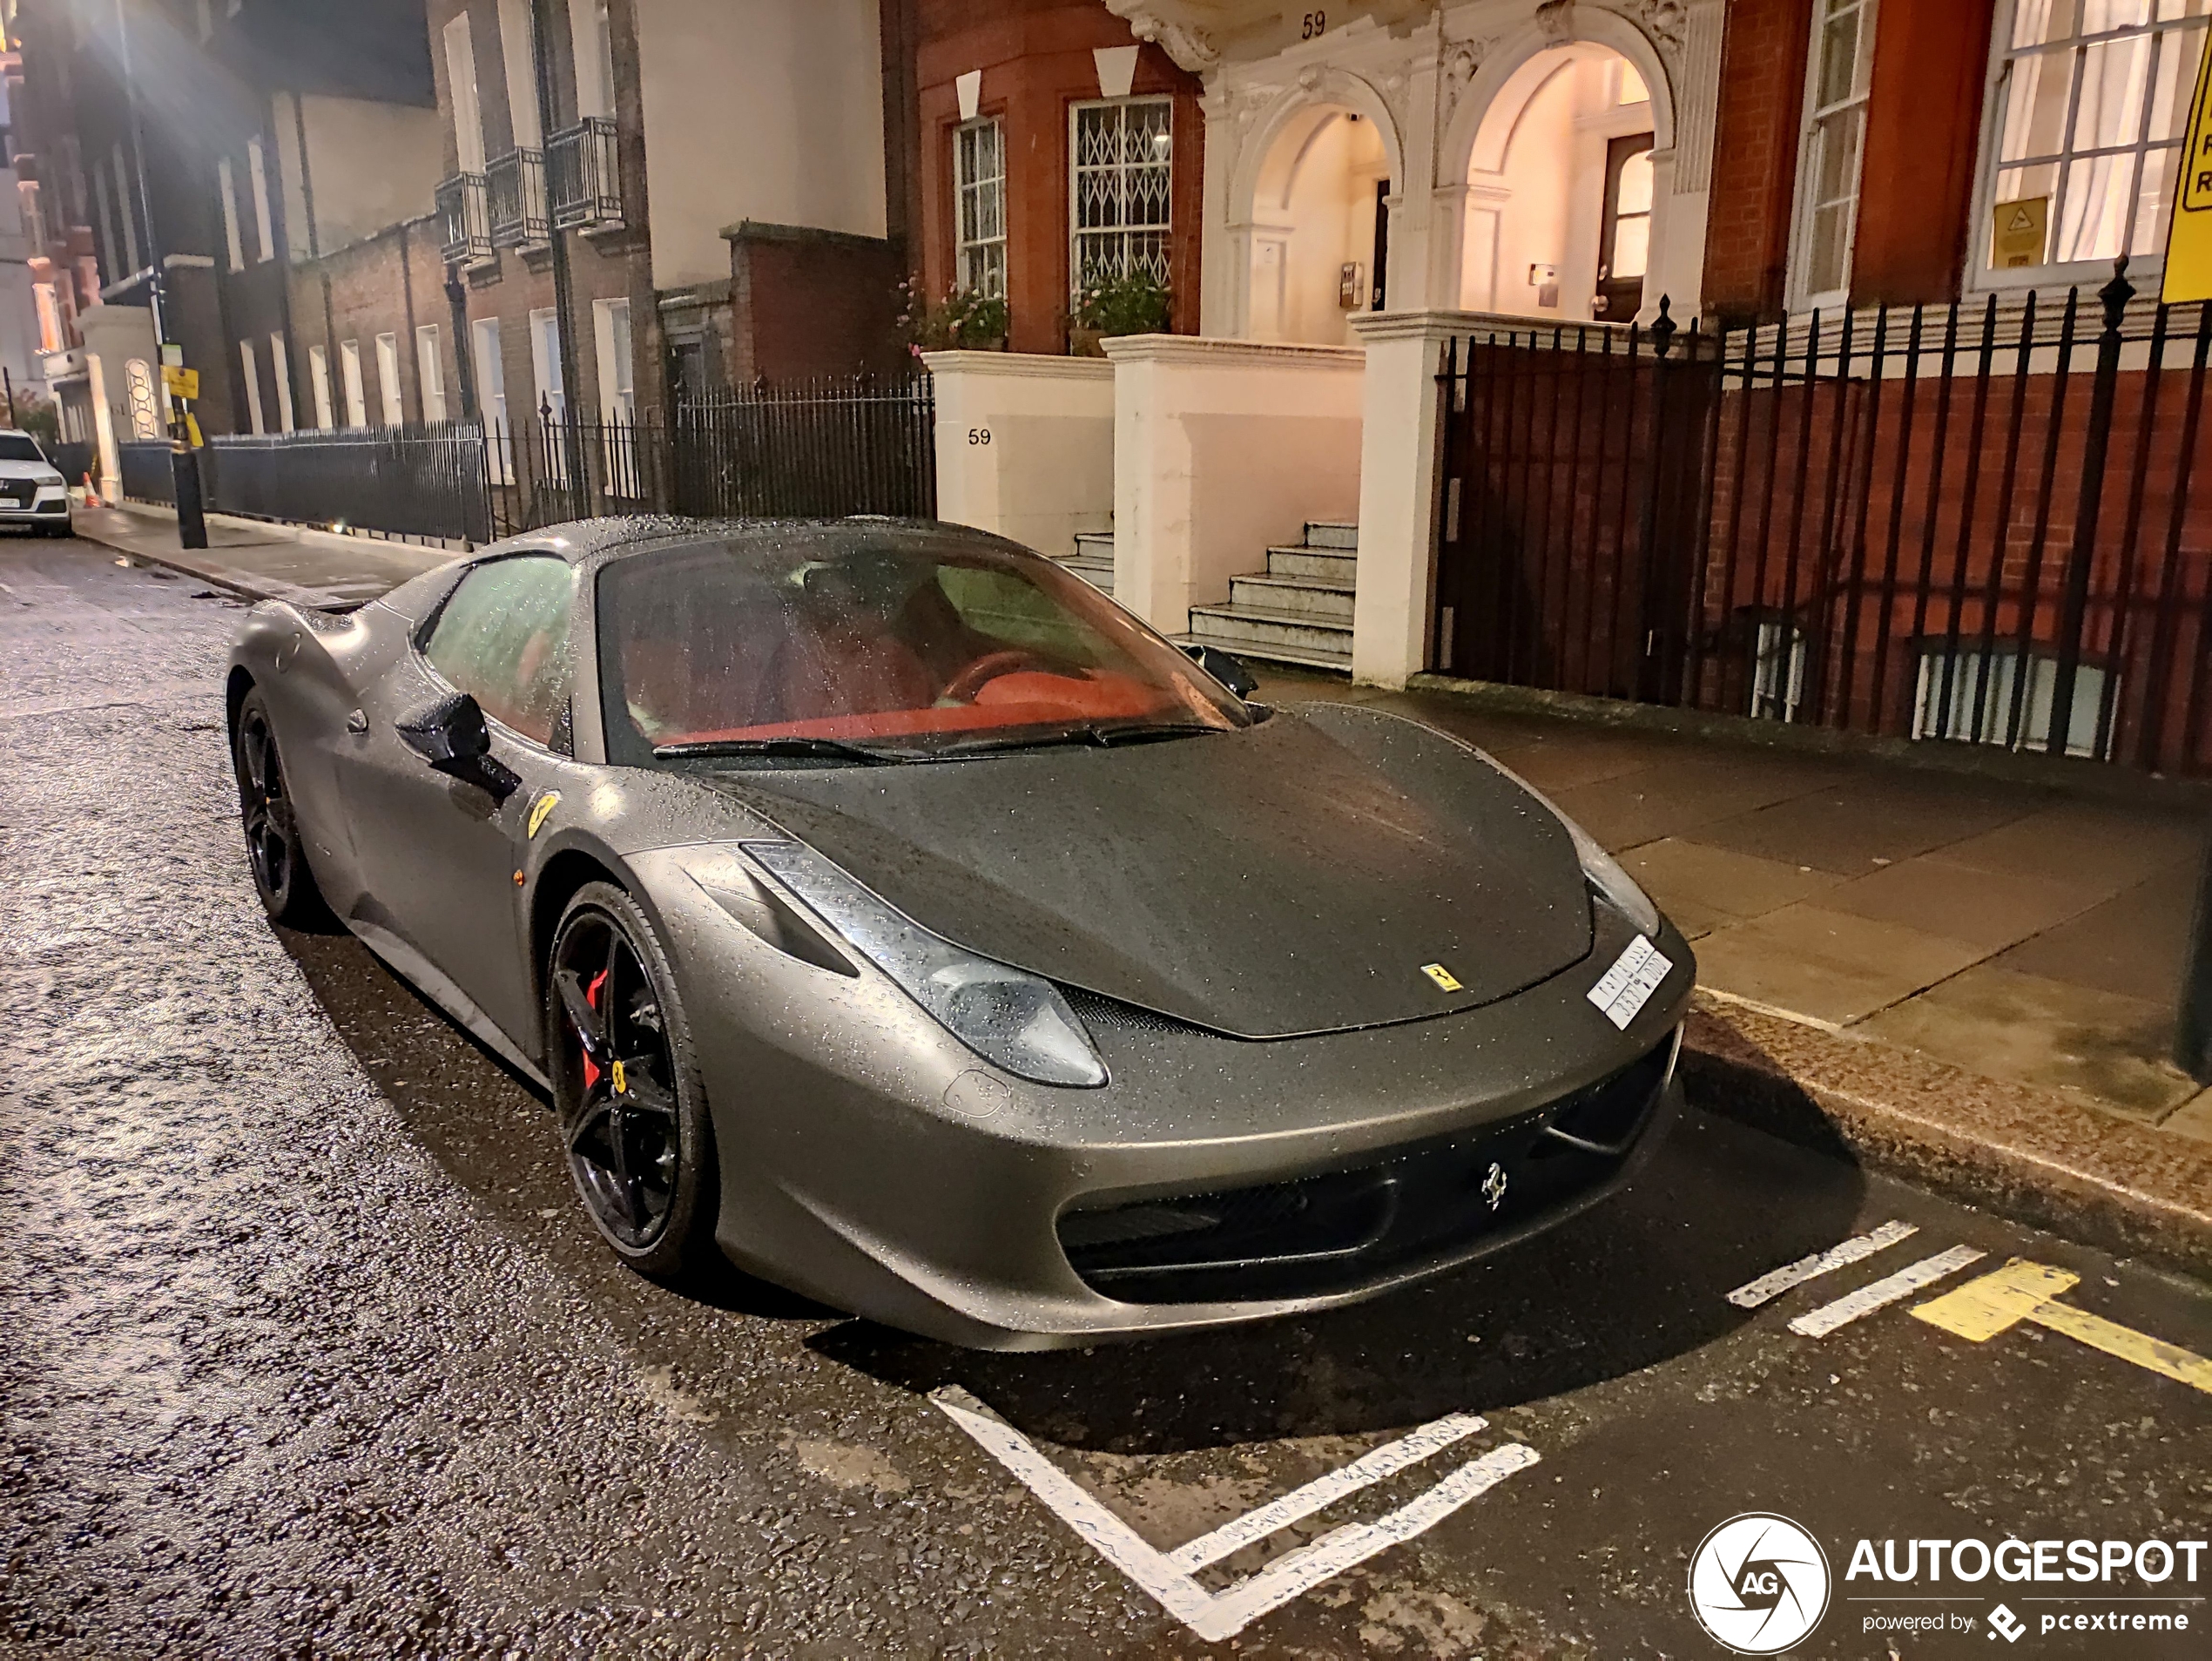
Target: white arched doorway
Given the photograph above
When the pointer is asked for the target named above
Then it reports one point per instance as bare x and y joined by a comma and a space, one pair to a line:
1310, 201
1556, 167
1319, 230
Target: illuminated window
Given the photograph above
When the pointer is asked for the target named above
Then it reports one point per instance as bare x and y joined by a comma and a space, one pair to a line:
2087, 105
1120, 157
1832, 145
979, 166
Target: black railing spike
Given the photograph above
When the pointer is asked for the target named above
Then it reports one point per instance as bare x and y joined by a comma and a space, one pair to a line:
2115, 295
1662, 326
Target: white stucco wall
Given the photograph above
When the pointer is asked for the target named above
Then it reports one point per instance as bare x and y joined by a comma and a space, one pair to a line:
1222, 447
763, 110
372, 165
1025, 445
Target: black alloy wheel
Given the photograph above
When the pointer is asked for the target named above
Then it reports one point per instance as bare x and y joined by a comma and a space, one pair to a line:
272, 846
633, 1113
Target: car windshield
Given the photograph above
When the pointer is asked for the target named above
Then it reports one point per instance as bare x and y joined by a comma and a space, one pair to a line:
856, 644
14, 447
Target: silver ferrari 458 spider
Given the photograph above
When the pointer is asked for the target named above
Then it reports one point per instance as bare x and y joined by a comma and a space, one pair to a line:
884, 907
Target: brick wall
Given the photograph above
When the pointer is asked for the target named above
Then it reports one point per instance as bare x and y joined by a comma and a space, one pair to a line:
1754, 156
1036, 60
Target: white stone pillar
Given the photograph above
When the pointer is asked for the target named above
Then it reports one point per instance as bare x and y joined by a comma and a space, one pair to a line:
1222, 447
1680, 269
1224, 246
1025, 445
1400, 457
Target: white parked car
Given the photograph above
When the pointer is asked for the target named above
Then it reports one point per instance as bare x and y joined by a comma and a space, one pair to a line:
32, 490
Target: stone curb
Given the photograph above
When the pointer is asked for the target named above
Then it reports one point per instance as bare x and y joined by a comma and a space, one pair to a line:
2025, 1154
219, 577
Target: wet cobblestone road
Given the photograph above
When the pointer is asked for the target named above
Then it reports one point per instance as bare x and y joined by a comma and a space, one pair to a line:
306, 1348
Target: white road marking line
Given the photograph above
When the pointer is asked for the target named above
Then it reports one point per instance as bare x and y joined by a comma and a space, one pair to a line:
1176, 1592
1299, 1572
1881, 1293
1775, 1282
1216, 1617
1324, 1491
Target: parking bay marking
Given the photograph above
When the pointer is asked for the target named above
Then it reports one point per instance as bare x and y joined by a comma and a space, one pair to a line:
1880, 1295
1775, 1282
1166, 1576
2024, 1291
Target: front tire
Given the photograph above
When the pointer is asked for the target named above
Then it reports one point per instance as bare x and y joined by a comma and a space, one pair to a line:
273, 847
626, 1085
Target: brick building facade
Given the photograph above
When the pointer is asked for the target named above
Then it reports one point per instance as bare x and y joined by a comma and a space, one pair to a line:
1009, 93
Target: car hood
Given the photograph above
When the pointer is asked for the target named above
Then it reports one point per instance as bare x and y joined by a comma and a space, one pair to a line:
1294, 877
41, 471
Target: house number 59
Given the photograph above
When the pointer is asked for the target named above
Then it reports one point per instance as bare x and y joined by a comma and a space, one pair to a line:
978, 434
1313, 25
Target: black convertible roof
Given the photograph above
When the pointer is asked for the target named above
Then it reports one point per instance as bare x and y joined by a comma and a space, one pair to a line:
582, 539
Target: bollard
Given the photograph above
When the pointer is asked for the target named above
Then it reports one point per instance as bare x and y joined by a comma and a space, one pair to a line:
2193, 1021
192, 509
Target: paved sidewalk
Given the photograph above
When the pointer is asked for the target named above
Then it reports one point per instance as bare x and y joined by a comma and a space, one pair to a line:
266, 561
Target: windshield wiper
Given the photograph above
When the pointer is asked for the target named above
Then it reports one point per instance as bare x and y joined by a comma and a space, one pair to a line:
1104, 734
787, 743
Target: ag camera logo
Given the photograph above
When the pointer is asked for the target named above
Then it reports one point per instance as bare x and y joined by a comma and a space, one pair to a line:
1758, 1583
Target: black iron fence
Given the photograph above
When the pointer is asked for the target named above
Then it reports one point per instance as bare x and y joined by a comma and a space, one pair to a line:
1956, 523
819, 449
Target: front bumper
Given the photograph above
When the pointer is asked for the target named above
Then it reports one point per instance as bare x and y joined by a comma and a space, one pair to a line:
51, 511
862, 1163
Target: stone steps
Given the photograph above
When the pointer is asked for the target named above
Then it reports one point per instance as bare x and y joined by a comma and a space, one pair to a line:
1299, 610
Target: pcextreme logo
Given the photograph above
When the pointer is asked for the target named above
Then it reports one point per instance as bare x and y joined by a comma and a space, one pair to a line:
1758, 1583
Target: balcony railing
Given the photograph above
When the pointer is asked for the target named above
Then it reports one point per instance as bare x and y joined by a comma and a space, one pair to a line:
464, 216
516, 182
584, 173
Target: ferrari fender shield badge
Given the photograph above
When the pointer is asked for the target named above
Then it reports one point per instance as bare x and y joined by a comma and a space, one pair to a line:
544, 804
1446, 981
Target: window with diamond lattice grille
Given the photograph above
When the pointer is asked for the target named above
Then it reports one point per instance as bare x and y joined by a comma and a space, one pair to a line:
1120, 156
978, 162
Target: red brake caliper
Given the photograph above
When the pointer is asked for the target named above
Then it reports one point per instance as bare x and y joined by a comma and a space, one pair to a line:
592, 997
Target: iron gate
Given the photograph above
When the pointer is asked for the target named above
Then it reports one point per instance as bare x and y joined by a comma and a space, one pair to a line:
1967, 522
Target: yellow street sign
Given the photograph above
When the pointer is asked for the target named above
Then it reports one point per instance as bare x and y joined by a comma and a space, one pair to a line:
2020, 230
2023, 1291
2188, 226
185, 383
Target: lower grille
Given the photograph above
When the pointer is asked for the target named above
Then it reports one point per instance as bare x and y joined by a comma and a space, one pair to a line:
1338, 1232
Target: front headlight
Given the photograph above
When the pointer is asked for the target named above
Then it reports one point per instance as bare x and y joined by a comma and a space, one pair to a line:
1612, 884
1015, 1020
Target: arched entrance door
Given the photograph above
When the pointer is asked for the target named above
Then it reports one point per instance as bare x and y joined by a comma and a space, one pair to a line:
1560, 190
1320, 232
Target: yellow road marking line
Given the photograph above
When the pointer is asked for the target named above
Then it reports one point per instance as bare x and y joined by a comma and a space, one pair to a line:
2024, 1291
2127, 1344
1986, 1306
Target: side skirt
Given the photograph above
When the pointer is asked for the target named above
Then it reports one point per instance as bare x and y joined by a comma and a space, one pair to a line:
416, 970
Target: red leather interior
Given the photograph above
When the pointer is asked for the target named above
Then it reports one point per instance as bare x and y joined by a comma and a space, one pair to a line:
1025, 698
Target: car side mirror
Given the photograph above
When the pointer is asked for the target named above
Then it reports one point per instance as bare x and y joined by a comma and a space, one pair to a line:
1229, 672
452, 736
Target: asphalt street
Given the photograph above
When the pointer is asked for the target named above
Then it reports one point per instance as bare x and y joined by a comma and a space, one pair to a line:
307, 1348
